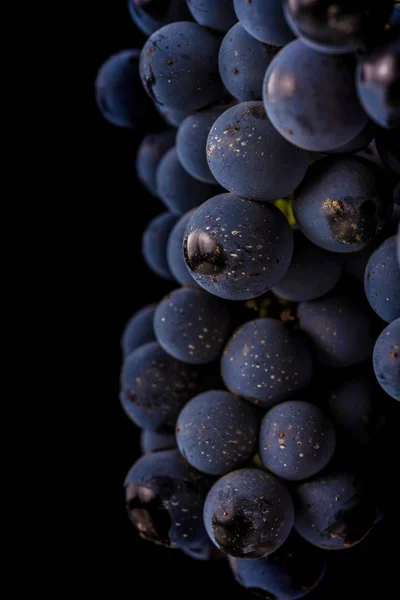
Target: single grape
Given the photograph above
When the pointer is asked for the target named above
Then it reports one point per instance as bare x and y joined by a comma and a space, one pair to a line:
382, 281
311, 99
291, 572
248, 513
179, 66
249, 158
334, 511
164, 499
264, 20
237, 249
150, 152
265, 362
217, 433
337, 26
243, 61
154, 243
340, 328
312, 273
215, 14
192, 325
341, 202
155, 386
191, 142
120, 96
138, 330
386, 359
177, 189
297, 440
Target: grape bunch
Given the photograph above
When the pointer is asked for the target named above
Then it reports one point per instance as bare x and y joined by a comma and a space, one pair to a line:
265, 384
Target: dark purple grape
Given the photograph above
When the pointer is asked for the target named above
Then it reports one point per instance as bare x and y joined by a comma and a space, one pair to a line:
154, 243
138, 330
215, 14
150, 152
156, 441
386, 359
264, 20
150, 15
382, 281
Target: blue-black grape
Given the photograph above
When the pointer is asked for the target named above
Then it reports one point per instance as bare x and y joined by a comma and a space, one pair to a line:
150, 15
311, 97
191, 142
156, 441
150, 152
341, 330
386, 359
248, 513
120, 96
395, 16
297, 440
378, 80
382, 281
237, 249
154, 243
217, 432
178, 190
353, 407
172, 116
138, 330
264, 20
249, 158
334, 511
291, 572
340, 203
215, 14
312, 273
164, 499
155, 386
243, 61
265, 362
361, 141
388, 147
192, 325
337, 26
179, 66
175, 258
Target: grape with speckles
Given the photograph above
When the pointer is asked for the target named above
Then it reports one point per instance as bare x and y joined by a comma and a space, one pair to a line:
237, 249
297, 440
164, 499
386, 359
191, 142
341, 329
353, 407
175, 258
156, 441
215, 14
154, 243
150, 152
312, 273
337, 26
217, 432
266, 363
334, 511
178, 190
150, 15
264, 20
341, 202
249, 158
291, 572
248, 513
243, 61
120, 96
382, 281
192, 325
311, 97
179, 66
155, 386
138, 330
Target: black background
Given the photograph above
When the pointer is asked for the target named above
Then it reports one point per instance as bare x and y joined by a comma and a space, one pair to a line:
121, 286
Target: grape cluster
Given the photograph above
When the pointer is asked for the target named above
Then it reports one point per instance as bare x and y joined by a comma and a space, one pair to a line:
261, 382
